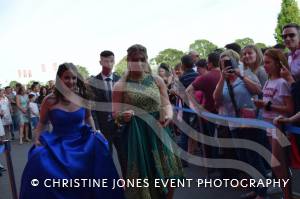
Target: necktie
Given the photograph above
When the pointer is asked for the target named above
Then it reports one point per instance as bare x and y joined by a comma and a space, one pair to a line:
108, 88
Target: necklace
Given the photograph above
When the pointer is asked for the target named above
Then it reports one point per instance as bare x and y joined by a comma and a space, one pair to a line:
138, 80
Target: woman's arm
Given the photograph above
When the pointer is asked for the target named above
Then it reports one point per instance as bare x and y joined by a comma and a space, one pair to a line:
166, 106
253, 87
117, 97
286, 109
89, 119
286, 74
280, 119
295, 118
218, 93
43, 119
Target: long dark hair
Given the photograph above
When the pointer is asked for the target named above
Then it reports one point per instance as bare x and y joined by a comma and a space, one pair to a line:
81, 90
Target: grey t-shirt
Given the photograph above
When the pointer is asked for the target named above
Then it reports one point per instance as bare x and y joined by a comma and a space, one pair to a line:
261, 75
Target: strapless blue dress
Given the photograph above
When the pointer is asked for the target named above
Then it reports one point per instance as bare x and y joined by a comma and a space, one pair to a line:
74, 152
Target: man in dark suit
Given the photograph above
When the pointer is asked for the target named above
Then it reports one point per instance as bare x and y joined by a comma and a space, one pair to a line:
101, 86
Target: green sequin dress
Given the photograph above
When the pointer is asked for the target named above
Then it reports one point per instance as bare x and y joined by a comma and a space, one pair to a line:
148, 150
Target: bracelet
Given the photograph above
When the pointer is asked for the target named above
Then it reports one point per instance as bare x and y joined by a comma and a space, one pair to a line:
268, 106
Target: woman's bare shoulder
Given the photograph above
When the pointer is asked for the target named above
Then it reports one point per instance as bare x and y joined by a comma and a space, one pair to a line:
49, 99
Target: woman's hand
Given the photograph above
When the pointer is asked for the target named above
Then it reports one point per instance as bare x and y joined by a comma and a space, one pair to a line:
165, 122
259, 103
24, 110
127, 115
37, 142
226, 72
286, 74
280, 120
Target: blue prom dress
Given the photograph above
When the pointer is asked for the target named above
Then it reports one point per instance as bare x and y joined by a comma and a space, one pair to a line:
71, 151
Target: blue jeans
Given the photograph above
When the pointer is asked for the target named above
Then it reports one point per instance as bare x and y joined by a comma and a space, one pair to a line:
15, 120
34, 122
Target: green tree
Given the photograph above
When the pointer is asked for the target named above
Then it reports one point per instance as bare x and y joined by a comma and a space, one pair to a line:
83, 71
169, 56
203, 47
13, 83
289, 14
260, 45
121, 66
244, 42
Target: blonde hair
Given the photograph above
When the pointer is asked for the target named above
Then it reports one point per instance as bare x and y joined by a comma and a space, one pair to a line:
230, 53
259, 57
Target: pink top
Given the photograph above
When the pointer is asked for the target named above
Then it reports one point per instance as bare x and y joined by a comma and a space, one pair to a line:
275, 91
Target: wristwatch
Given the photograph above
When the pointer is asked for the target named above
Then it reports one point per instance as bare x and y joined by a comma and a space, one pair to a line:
268, 106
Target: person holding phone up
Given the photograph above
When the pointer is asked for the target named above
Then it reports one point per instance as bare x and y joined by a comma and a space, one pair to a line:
233, 98
277, 100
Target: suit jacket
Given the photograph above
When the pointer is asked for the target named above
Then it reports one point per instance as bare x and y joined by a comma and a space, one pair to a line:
103, 119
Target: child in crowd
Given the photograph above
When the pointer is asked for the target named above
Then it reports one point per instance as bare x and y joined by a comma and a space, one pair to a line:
33, 110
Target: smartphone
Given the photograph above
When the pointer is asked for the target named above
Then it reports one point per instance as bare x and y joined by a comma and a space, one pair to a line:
282, 65
229, 63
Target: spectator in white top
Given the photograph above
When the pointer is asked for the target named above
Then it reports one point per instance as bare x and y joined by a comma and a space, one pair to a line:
34, 111
35, 89
5, 109
277, 100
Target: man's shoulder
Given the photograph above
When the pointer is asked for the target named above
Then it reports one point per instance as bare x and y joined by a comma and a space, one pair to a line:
210, 75
190, 73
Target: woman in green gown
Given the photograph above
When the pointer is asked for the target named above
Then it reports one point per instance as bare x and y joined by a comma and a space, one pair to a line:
140, 101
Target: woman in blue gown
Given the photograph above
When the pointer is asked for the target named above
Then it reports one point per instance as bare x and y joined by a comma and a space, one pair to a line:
72, 161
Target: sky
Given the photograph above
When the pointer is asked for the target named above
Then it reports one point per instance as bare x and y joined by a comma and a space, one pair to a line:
36, 32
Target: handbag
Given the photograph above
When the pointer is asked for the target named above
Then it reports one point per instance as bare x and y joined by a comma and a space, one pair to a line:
248, 113
242, 112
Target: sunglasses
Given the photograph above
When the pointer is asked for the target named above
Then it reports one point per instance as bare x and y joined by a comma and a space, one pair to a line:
290, 35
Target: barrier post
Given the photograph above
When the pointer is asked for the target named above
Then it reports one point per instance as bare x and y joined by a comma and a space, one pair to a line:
7, 148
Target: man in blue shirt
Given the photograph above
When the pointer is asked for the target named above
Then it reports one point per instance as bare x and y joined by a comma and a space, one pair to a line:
188, 76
